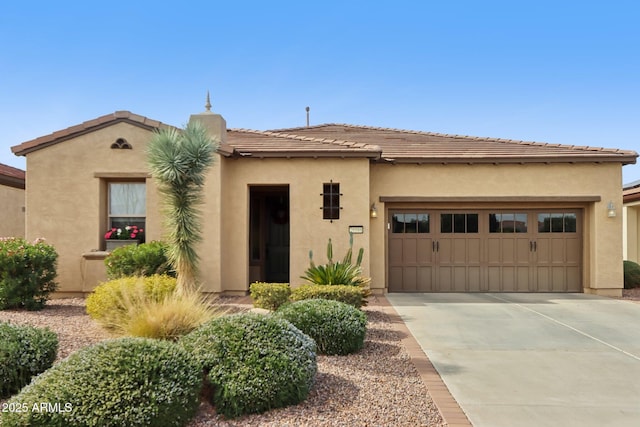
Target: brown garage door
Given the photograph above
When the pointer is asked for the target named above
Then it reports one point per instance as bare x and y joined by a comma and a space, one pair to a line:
484, 251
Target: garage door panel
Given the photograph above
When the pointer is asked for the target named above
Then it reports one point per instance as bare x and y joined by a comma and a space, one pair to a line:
424, 251
395, 279
425, 280
522, 250
474, 279
474, 251
395, 252
494, 279
409, 251
494, 251
573, 251
445, 279
573, 279
409, 279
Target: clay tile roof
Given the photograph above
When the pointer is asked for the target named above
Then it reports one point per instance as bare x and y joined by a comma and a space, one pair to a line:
12, 177
85, 127
401, 145
254, 143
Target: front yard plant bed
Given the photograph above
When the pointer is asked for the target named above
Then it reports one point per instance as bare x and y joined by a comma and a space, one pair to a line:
377, 386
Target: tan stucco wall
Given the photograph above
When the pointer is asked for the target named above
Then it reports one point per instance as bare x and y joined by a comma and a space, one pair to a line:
67, 202
602, 250
12, 203
308, 231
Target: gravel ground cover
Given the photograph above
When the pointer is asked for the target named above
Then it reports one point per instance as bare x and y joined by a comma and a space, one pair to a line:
378, 386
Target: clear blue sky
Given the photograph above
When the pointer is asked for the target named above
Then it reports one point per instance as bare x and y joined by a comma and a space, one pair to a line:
564, 72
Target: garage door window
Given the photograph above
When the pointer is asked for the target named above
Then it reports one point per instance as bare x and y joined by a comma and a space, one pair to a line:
507, 223
410, 223
459, 223
560, 222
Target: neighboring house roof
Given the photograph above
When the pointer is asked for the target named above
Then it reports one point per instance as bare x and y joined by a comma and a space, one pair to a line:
631, 192
12, 177
378, 144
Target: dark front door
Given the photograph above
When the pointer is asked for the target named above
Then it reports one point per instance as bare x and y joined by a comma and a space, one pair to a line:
269, 234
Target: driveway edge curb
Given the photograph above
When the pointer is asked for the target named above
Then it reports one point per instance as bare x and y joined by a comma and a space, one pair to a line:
450, 410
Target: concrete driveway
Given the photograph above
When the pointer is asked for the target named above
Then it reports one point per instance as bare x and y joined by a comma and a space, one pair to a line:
532, 359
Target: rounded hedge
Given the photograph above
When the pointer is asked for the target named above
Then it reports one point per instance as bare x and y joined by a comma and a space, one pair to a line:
145, 259
121, 382
253, 362
106, 301
25, 351
336, 327
631, 275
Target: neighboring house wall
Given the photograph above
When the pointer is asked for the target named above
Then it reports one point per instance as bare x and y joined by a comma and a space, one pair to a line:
631, 221
602, 256
12, 212
631, 238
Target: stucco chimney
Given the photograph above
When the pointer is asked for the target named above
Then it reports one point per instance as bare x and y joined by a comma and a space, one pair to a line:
215, 123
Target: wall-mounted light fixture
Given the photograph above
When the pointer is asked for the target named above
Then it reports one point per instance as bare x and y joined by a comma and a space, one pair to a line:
611, 210
374, 211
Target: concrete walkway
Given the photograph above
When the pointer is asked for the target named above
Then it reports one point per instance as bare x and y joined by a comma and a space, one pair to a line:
532, 359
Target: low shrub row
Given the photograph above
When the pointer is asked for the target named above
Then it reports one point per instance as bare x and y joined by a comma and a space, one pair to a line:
273, 295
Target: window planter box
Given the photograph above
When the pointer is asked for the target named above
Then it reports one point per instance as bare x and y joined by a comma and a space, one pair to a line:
116, 243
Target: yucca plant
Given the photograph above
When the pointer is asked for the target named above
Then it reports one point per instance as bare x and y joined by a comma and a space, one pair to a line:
337, 272
178, 161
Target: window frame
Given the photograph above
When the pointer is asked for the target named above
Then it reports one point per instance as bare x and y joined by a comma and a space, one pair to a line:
331, 200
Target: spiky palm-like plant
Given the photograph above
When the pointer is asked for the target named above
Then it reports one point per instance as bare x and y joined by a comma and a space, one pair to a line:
178, 160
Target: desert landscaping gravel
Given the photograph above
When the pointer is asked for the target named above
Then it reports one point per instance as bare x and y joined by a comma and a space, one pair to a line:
378, 386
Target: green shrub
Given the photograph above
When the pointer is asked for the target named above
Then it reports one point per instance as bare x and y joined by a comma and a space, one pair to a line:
254, 362
122, 382
631, 275
145, 259
336, 327
108, 302
27, 273
269, 295
25, 351
352, 295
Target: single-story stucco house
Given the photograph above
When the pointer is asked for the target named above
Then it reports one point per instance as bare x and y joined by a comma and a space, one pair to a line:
12, 196
631, 221
434, 212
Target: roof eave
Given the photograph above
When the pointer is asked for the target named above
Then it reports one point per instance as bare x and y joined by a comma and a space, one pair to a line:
11, 181
623, 159
84, 128
307, 154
